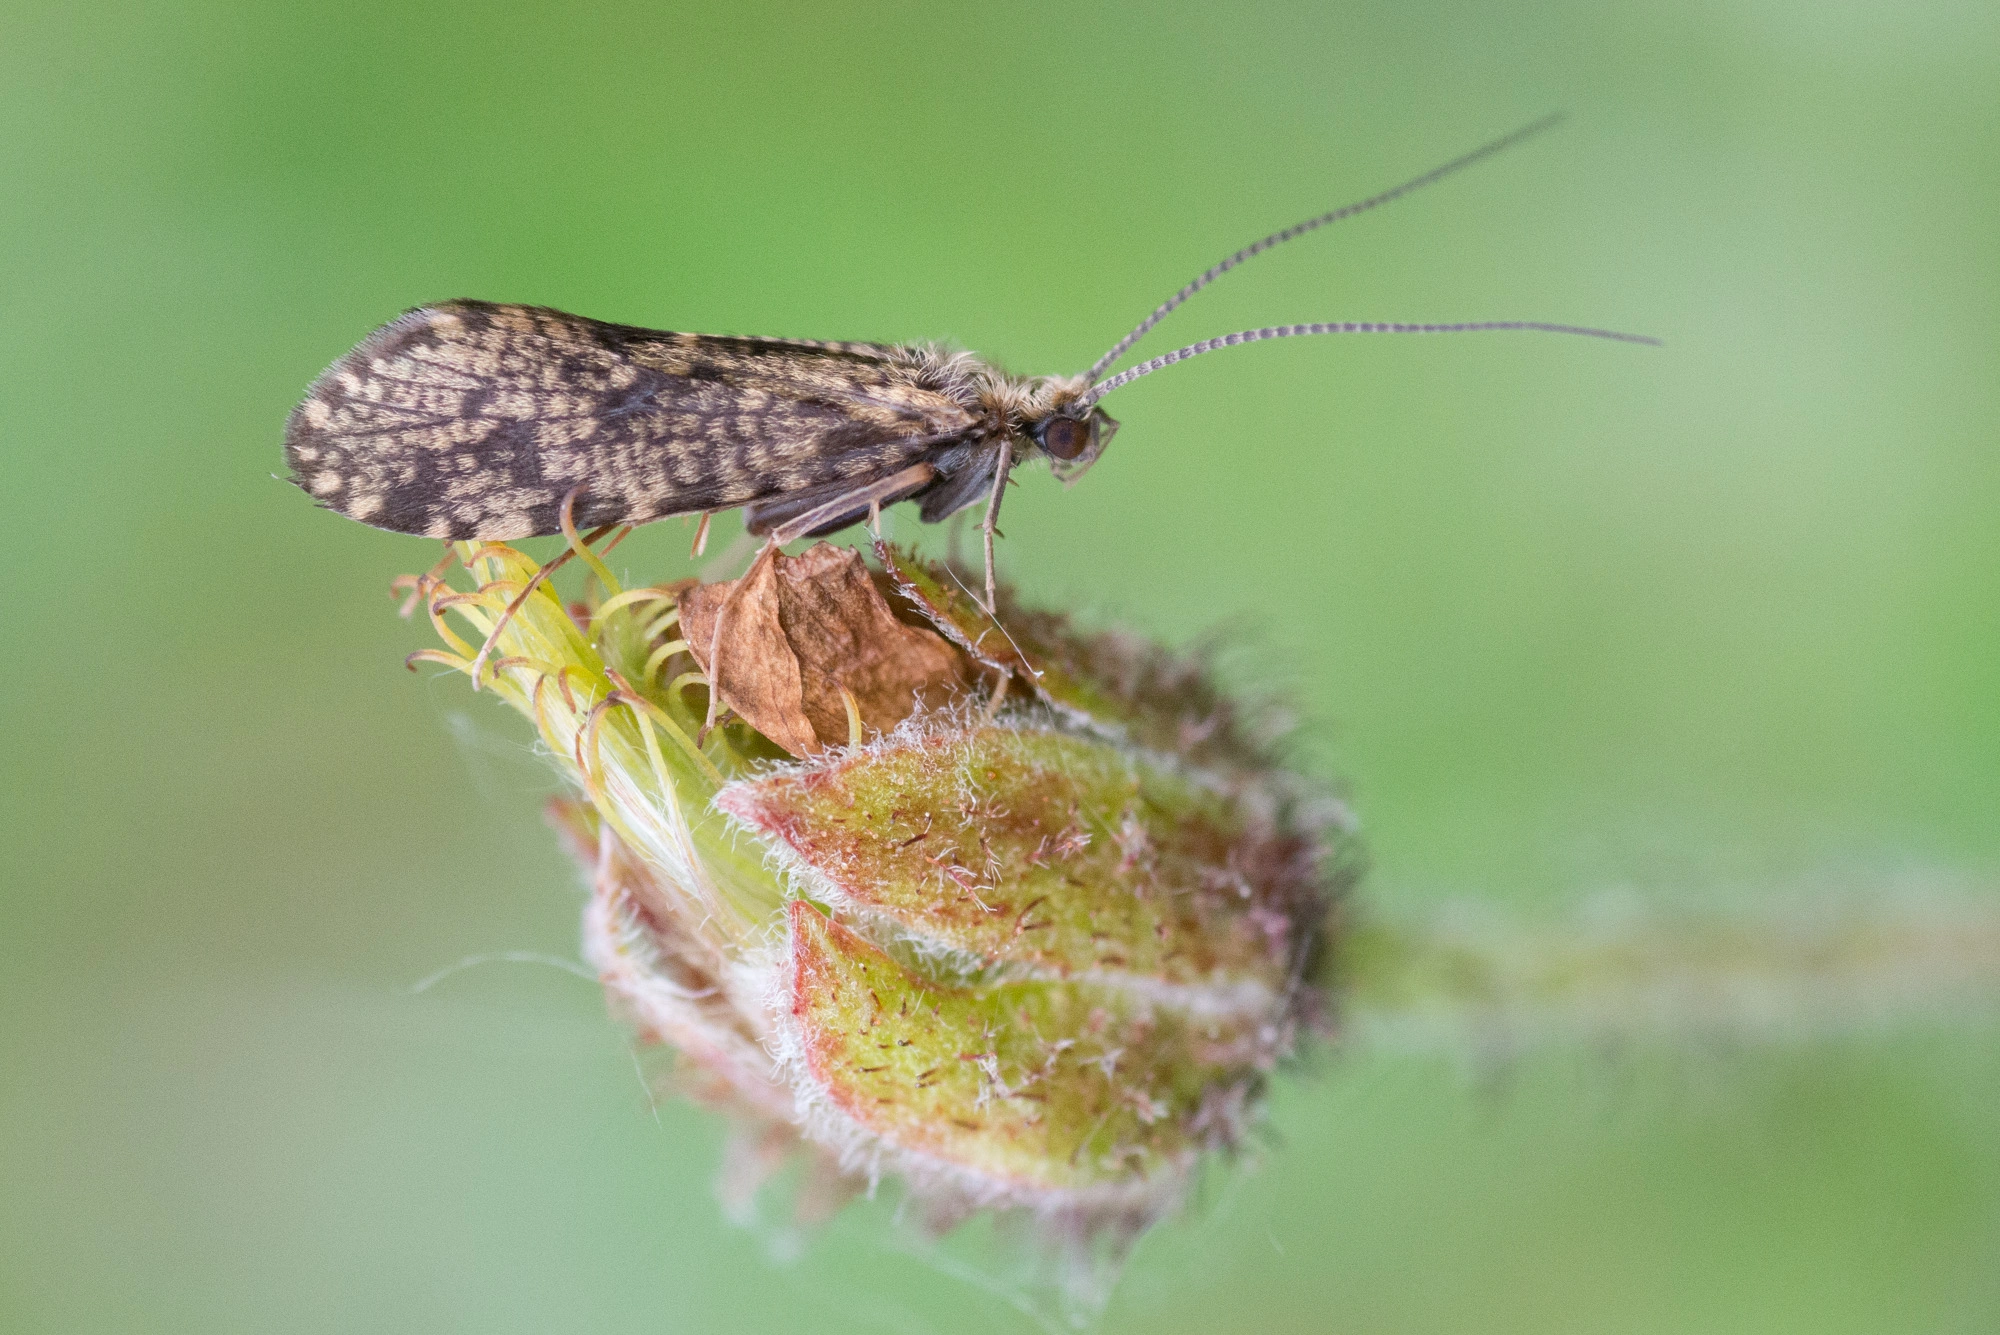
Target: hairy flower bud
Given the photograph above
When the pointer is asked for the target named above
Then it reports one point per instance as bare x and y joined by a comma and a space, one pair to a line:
1019, 916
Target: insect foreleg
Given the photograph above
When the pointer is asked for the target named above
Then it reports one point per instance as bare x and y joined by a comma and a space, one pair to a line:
988, 526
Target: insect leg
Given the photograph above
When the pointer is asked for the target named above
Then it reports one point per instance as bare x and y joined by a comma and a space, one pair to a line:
987, 525
843, 508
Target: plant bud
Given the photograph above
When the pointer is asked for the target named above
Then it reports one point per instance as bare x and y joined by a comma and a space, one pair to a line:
1019, 916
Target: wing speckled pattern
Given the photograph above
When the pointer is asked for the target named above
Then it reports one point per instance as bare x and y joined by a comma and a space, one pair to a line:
470, 419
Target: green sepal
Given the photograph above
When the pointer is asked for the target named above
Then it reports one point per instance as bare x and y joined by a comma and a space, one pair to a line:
1047, 854
1025, 1086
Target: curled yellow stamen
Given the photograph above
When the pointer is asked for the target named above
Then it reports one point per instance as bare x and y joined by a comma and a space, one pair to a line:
659, 656
581, 546
626, 599
452, 661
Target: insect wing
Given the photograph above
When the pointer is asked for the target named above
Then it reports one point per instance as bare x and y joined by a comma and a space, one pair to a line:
473, 420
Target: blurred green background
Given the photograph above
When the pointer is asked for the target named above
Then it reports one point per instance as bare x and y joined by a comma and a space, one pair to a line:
1721, 619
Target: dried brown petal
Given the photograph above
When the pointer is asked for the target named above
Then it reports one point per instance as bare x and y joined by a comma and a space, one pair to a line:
797, 630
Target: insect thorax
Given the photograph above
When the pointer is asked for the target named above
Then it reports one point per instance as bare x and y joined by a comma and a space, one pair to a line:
1010, 404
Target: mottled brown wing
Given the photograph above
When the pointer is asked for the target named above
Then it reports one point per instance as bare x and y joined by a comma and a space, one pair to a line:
473, 420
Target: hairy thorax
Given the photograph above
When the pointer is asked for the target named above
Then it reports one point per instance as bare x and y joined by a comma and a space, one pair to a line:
1006, 405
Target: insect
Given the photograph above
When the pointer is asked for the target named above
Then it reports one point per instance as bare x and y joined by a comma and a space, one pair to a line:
470, 419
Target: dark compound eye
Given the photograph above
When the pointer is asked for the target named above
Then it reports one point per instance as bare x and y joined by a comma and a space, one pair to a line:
1065, 437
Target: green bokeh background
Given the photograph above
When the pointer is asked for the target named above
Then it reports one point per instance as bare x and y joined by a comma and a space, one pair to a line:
1719, 620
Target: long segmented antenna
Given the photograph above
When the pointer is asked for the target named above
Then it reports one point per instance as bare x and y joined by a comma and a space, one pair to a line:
1118, 350
1166, 359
